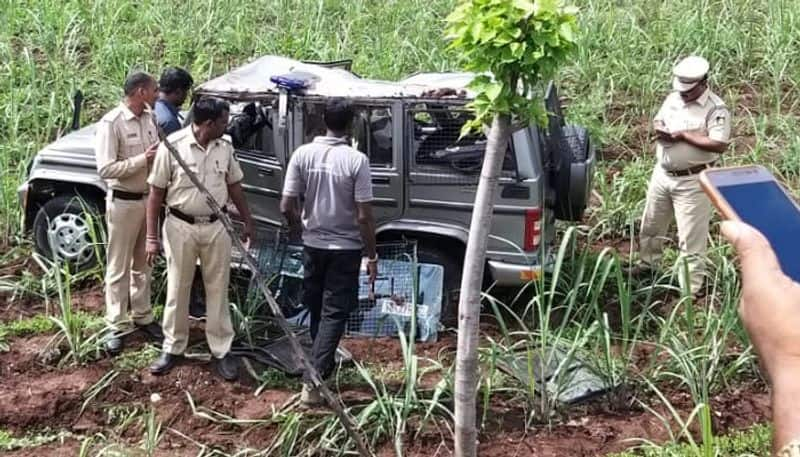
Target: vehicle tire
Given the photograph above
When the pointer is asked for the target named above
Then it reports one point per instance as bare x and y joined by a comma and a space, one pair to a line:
69, 220
452, 279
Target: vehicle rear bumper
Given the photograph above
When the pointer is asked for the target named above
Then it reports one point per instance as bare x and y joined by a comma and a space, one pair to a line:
513, 274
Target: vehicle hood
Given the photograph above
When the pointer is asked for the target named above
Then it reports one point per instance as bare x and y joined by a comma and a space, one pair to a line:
77, 142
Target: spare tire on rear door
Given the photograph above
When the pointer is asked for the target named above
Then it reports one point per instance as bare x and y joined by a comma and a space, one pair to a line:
569, 162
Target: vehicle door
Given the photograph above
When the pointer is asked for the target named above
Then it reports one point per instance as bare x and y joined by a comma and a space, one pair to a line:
444, 169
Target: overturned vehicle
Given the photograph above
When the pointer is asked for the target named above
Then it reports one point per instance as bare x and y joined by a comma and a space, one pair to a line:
423, 173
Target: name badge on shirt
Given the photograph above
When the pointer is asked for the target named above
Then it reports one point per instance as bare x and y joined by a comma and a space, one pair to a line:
132, 135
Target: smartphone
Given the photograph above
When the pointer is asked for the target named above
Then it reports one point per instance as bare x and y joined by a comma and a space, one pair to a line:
751, 194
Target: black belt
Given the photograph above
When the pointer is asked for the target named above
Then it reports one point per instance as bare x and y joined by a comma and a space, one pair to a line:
122, 195
689, 171
195, 219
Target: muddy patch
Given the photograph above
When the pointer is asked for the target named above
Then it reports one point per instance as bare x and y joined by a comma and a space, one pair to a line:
49, 399
387, 350
89, 299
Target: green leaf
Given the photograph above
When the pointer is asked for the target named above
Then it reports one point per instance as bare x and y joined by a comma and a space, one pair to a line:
477, 30
511, 43
487, 35
567, 32
525, 5
493, 91
517, 49
545, 7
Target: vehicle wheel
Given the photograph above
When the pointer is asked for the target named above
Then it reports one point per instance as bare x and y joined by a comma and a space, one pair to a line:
452, 280
63, 228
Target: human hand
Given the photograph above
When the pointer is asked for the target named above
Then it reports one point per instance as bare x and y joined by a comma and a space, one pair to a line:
662, 134
676, 136
770, 304
248, 231
150, 153
372, 271
153, 250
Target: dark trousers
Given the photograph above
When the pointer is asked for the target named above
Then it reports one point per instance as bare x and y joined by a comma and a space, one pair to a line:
330, 291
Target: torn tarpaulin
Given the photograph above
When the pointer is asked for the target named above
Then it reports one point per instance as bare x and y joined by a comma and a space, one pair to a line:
277, 352
561, 373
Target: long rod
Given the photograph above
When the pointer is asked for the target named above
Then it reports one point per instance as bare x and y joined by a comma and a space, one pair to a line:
316, 379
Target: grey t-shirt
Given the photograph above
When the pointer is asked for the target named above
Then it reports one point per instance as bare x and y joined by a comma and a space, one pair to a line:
332, 177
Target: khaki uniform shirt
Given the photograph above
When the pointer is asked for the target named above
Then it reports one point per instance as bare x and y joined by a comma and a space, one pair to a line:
214, 166
120, 143
707, 116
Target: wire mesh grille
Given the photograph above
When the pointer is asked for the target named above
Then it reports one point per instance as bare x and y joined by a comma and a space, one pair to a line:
441, 154
404, 290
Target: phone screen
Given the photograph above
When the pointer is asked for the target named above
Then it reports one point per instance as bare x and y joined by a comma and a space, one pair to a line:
765, 206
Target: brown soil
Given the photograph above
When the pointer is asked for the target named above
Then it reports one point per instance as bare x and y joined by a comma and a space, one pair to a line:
89, 299
67, 448
34, 396
593, 430
386, 350
50, 399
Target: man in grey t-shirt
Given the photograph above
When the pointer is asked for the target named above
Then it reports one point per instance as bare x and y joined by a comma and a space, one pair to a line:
333, 182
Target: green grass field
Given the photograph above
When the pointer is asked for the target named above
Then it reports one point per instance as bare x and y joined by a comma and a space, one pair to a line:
616, 82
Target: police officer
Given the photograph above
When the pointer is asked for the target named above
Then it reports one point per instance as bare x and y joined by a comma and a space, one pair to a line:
693, 128
191, 231
126, 143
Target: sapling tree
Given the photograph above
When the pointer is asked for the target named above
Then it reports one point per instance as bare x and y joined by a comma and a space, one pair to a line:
515, 47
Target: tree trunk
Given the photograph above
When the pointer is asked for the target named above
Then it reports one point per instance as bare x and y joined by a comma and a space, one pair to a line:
469, 304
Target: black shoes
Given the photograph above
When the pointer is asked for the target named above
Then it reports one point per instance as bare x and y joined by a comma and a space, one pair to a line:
164, 363
228, 367
113, 343
153, 330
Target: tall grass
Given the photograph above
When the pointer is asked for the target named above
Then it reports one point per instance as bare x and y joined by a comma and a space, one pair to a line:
51, 48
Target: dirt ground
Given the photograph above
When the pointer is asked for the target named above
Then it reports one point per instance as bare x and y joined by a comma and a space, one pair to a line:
36, 396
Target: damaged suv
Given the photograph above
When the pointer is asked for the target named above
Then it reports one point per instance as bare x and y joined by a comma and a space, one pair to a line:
424, 174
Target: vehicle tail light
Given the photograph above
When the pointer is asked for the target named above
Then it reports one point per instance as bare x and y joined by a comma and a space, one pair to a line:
533, 229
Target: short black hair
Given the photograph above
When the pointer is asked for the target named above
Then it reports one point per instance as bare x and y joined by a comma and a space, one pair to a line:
209, 109
137, 80
174, 78
339, 114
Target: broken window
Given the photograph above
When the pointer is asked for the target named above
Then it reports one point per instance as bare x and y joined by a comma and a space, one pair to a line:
437, 145
250, 128
371, 132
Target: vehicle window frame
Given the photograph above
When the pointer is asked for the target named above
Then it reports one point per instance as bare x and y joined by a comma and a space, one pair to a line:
267, 150
358, 107
411, 109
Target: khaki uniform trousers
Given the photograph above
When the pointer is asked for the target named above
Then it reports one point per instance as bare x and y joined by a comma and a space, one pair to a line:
184, 243
684, 198
127, 272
